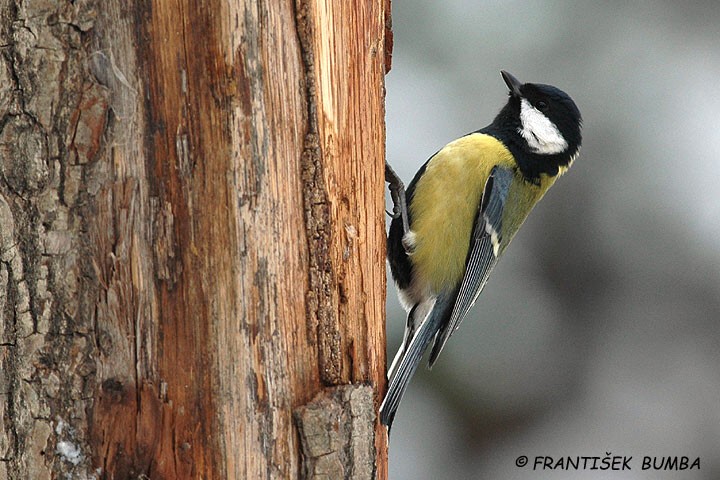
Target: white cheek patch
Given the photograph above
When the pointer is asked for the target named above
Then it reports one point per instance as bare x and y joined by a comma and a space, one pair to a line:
539, 132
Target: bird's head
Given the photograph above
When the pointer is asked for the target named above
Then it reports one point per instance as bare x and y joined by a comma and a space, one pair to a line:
542, 121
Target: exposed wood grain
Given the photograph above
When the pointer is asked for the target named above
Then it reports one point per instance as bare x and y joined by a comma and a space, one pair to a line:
192, 242
343, 52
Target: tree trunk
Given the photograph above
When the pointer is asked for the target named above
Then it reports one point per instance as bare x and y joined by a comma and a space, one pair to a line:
192, 276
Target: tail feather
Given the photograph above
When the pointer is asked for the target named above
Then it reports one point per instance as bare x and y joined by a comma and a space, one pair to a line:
412, 357
407, 337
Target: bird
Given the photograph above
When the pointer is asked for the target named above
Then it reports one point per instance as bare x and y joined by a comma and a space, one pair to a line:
462, 209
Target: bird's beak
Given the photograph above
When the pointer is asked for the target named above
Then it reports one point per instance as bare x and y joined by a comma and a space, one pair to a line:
513, 83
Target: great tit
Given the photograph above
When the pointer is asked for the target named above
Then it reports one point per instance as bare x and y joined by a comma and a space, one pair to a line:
464, 206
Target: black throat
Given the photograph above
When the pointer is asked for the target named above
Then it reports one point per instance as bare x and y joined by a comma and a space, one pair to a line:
506, 128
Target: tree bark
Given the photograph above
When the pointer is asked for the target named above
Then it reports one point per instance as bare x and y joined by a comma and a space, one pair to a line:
192, 276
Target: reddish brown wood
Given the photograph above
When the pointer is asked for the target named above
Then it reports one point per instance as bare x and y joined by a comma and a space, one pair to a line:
192, 244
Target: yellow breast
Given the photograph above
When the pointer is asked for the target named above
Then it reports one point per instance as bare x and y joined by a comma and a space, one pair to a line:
445, 204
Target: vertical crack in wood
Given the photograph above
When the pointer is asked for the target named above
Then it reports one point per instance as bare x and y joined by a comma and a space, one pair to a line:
389, 39
320, 312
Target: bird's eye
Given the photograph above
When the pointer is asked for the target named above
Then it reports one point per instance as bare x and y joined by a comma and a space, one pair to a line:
542, 106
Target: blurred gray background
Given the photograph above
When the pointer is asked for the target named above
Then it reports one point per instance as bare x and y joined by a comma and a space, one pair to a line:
599, 330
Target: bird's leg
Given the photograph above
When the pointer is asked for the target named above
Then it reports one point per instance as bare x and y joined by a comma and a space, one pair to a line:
397, 193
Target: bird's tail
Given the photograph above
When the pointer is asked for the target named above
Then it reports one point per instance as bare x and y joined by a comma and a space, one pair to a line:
407, 338
411, 359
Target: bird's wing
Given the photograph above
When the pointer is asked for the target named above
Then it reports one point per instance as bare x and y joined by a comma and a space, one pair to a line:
482, 254
451, 305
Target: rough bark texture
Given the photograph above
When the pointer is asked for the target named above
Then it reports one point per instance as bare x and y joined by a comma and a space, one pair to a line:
191, 233
52, 119
336, 434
